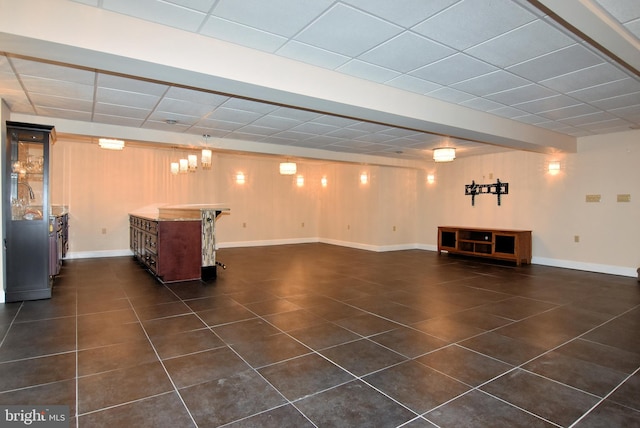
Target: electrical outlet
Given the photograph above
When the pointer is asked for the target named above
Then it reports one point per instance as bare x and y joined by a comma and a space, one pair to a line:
394, 228
576, 238
104, 230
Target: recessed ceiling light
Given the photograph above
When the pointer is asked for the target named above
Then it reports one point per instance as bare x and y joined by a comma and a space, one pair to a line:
170, 121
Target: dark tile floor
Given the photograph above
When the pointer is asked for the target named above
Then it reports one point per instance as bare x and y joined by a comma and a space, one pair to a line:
319, 335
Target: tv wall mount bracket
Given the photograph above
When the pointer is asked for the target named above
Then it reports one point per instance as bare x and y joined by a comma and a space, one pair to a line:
498, 188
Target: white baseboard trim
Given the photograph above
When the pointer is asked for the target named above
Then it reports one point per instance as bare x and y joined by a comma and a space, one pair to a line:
98, 254
544, 261
590, 267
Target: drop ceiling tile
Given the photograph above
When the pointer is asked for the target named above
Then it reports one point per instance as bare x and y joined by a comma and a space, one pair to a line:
64, 114
282, 17
199, 97
122, 111
295, 114
521, 95
631, 113
607, 90
413, 84
278, 140
163, 126
595, 117
249, 106
531, 119
312, 55
158, 11
58, 88
618, 102
241, 34
471, 22
169, 105
124, 98
118, 120
453, 69
374, 138
347, 31
293, 135
622, 10
564, 61
634, 27
539, 38
130, 85
545, 104
367, 71
41, 100
369, 127
220, 125
335, 120
451, 95
19, 105
199, 5
508, 112
481, 104
346, 133
232, 115
256, 131
405, 13
271, 121
585, 78
53, 71
180, 119
392, 54
496, 81
569, 112
314, 128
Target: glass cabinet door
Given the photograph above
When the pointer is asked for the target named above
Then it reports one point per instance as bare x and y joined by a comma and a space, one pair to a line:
27, 191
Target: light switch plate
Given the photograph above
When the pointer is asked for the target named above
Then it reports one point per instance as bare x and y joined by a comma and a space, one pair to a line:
593, 198
624, 198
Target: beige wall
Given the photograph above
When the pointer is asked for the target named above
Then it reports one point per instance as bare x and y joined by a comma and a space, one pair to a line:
553, 207
101, 187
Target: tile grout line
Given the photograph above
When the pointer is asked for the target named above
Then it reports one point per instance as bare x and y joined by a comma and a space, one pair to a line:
228, 345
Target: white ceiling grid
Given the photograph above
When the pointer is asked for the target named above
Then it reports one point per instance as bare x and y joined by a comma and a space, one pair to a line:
504, 57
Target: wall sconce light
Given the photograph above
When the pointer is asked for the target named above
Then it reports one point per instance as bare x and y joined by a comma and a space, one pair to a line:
323, 181
175, 168
192, 163
444, 154
554, 167
240, 178
110, 144
431, 178
287, 168
300, 181
364, 178
184, 165
205, 159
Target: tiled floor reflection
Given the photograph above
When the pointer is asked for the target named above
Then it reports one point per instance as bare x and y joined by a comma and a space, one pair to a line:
319, 335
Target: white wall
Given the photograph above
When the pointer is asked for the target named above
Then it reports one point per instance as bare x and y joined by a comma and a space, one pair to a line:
101, 187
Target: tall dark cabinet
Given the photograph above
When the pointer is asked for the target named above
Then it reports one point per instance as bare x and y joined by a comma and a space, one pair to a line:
27, 205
